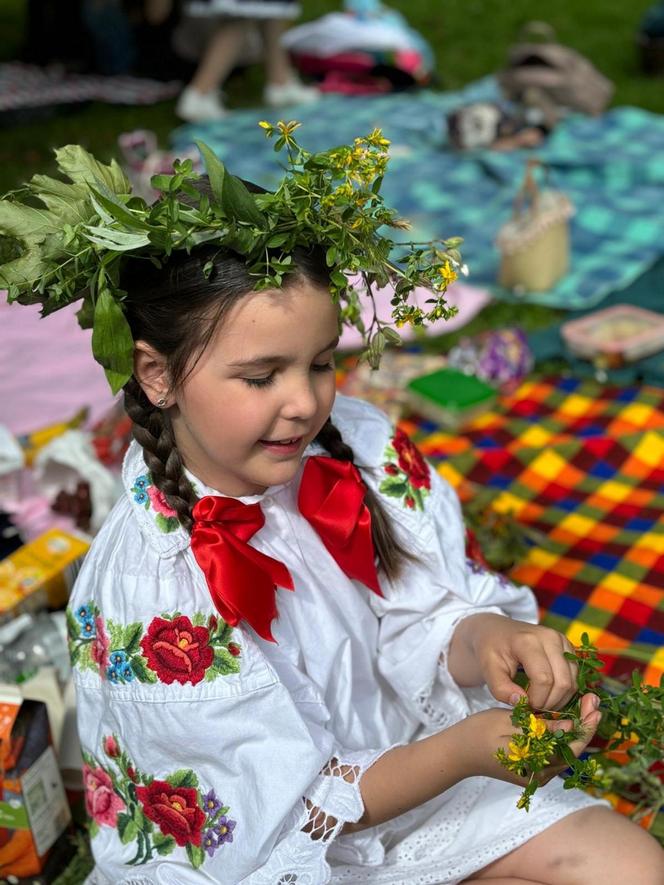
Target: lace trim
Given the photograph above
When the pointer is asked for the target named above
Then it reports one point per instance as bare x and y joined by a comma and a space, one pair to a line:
333, 800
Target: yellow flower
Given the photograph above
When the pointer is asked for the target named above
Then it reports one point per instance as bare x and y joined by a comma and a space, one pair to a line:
376, 139
518, 754
537, 727
265, 125
447, 272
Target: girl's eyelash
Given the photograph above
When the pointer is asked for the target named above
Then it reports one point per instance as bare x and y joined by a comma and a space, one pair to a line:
269, 379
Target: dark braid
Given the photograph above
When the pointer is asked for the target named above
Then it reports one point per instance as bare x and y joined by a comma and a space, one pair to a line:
152, 430
392, 556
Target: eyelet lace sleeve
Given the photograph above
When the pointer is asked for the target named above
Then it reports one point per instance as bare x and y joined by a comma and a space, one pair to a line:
333, 800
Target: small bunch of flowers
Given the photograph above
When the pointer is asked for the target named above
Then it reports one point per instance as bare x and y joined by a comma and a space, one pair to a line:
630, 762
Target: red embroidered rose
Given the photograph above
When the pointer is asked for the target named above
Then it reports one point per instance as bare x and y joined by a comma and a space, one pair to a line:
100, 644
391, 469
101, 801
177, 651
111, 746
411, 461
234, 649
175, 810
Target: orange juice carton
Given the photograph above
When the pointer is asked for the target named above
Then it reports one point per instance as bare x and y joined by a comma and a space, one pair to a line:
33, 806
40, 574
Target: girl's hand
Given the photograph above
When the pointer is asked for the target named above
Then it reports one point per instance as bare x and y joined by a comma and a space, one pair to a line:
489, 648
492, 729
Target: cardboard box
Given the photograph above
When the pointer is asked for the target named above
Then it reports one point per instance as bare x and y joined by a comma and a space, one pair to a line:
40, 574
33, 807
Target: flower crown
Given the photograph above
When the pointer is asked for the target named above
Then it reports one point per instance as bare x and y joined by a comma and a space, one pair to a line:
74, 237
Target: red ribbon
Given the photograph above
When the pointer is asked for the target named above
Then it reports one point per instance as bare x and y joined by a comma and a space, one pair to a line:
241, 580
331, 498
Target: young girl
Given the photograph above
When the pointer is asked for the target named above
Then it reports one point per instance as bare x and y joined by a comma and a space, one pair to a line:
286, 670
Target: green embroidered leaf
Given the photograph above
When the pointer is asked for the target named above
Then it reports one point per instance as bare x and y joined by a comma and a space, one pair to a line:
73, 627
112, 344
131, 636
127, 829
417, 497
85, 661
82, 167
166, 524
198, 619
224, 662
74, 653
163, 844
196, 855
222, 634
141, 670
183, 777
235, 199
116, 635
93, 828
394, 487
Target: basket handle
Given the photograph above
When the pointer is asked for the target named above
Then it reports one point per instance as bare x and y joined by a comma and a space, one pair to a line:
528, 195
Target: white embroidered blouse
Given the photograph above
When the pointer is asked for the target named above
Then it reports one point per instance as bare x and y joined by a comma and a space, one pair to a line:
212, 755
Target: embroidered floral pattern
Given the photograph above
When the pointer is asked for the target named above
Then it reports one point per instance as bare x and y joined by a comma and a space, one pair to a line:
149, 496
407, 472
174, 648
157, 815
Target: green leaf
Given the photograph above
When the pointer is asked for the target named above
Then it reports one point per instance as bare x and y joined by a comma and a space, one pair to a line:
27, 223
115, 634
112, 344
141, 670
224, 662
232, 195
183, 777
116, 240
81, 167
70, 202
196, 855
93, 828
118, 210
127, 829
163, 844
199, 619
131, 637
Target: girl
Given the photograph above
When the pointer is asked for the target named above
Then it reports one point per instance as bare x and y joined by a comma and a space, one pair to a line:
286, 670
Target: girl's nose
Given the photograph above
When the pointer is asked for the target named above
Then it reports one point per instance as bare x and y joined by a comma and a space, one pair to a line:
300, 402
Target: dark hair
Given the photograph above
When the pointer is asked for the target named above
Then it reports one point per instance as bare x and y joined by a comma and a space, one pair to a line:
176, 309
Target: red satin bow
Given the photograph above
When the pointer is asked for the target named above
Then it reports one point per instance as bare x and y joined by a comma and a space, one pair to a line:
241, 580
331, 498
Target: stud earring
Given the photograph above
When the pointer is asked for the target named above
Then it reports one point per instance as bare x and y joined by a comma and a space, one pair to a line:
161, 402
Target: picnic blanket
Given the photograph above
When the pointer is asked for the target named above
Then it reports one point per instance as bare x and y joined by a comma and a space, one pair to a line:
584, 465
612, 167
28, 86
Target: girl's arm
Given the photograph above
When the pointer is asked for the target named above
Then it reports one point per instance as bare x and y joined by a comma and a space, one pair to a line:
406, 777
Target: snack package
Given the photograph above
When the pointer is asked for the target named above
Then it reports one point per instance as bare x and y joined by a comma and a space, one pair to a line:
33, 805
40, 574
450, 398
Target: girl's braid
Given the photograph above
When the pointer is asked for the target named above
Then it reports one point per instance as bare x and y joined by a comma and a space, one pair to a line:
152, 430
391, 555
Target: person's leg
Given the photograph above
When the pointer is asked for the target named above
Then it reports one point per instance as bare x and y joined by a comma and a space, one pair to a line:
219, 57
282, 86
591, 845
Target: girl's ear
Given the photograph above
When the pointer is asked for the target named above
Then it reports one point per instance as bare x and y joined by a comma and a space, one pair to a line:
151, 373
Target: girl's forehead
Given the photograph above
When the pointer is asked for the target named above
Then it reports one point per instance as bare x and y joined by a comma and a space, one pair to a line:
301, 317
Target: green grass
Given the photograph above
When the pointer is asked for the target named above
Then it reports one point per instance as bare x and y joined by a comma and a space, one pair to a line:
470, 39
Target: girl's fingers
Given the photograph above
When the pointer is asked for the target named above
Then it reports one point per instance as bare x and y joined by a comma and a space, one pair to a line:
590, 719
541, 679
564, 686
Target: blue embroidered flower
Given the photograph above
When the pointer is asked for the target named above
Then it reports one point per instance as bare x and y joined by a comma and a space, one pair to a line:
126, 672
142, 482
120, 670
84, 613
141, 497
88, 629
118, 658
211, 804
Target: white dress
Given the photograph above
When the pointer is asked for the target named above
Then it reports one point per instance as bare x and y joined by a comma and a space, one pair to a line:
206, 747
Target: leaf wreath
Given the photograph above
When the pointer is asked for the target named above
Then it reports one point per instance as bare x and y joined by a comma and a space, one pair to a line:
74, 236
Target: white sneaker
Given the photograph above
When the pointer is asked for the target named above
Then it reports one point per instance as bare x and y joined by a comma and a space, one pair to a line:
199, 107
294, 92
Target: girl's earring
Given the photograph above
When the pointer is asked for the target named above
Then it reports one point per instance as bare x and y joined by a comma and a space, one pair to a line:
161, 402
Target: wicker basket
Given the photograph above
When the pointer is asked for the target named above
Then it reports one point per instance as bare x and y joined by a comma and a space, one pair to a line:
534, 243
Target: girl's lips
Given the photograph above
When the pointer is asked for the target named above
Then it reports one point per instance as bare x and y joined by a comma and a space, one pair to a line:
283, 447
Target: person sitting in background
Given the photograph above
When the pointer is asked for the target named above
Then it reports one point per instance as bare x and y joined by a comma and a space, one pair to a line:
200, 100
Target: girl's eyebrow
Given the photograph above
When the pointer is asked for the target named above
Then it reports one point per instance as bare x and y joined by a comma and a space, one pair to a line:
260, 361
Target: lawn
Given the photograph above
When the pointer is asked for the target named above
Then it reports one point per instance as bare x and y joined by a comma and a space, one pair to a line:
470, 39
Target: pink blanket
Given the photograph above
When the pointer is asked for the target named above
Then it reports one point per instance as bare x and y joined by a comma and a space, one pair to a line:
47, 372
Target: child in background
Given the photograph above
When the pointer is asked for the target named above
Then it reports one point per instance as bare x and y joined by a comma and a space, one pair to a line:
200, 101
286, 670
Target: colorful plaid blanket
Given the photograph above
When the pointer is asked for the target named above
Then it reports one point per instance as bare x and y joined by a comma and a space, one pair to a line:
584, 465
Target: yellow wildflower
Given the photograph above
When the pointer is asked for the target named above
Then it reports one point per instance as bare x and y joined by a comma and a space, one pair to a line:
537, 727
376, 139
516, 753
265, 125
447, 272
